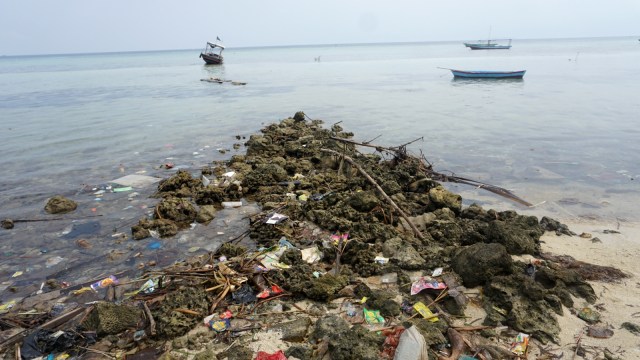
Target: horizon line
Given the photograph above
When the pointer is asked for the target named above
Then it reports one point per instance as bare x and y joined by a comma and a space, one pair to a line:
304, 45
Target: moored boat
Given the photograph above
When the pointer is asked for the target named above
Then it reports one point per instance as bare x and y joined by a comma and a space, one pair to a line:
489, 45
482, 74
212, 53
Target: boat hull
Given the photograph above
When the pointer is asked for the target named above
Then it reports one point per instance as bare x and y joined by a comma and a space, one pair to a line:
211, 59
488, 74
488, 47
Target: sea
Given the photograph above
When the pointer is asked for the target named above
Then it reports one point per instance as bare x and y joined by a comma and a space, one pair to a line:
564, 138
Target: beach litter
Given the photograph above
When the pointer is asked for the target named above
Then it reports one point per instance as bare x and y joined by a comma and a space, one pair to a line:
339, 273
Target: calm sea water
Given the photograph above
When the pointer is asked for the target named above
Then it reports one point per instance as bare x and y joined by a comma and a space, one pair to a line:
565, 137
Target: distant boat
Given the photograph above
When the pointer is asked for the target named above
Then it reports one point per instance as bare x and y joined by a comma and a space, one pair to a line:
481, 74
212, 53
489, 45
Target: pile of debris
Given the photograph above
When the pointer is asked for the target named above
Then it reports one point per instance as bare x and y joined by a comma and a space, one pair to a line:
354, 256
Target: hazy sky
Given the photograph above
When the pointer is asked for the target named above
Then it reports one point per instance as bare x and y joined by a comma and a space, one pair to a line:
81, 26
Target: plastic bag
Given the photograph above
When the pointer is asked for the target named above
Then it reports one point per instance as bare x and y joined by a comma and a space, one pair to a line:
411, 346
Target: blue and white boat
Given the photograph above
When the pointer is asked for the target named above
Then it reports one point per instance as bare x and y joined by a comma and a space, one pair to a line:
482, 74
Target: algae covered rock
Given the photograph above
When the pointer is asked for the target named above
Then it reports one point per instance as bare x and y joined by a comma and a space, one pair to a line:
110, 319
519, 234
443, 198
60, 205
325, 287
176, 209
408, 258
478, 263
518, 301
206, 213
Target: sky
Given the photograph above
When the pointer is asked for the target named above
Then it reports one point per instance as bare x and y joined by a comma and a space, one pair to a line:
29, 27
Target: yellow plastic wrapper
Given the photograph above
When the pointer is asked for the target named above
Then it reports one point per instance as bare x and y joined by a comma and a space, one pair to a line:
423, 310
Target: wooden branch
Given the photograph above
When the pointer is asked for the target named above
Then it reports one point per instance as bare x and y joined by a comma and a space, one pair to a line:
152, 323
416, 232
398, 152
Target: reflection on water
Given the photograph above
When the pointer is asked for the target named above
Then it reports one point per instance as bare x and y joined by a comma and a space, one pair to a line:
570, 133
486, 81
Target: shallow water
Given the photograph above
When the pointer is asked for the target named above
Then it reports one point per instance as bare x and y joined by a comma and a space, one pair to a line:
564, 137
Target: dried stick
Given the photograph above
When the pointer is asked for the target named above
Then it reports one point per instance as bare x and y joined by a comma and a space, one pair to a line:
416, 232
152, 323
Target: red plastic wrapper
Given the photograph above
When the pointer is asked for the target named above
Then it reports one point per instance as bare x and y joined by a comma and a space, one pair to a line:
391, 342
275, 290
279, 355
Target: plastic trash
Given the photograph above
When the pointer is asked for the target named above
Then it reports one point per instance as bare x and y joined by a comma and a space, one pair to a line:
423, 310
244, 294
311, 255
122, 189
111, 280
278, 355
283, 242
391, 342
411, 346
381, 260
274, 290
231, 204
423, 283
519, 345
389, 278
437, 272
43, 342
276, 218
373, 317
350, 309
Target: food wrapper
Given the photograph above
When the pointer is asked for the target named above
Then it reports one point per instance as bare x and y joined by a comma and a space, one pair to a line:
423, 283
373, 316
423, 310
519, 346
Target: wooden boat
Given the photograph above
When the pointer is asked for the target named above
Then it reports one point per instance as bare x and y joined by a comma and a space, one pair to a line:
489, 45
488, 74
212, 53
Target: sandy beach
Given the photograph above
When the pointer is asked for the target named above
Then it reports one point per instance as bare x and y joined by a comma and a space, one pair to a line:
619, 302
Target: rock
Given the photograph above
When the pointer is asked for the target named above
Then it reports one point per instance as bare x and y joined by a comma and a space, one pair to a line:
179, 210
295, 331
329, 325
519, 234
391, 246
519, 301
364, 201
7, 224
108, 318
60, 205
408, 258
302, 351
478, 263
325, 287
550, 224
206, 214
431, 331
138, 232
443, 198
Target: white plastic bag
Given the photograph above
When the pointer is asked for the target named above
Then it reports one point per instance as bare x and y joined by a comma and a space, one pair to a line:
411, 346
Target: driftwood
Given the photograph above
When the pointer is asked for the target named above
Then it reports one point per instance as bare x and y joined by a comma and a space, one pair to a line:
416, 232
152, 322
400, 153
